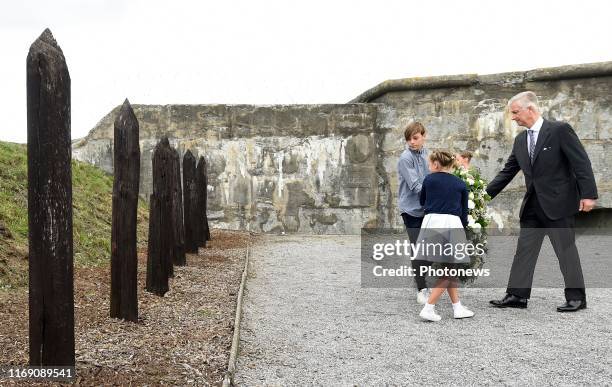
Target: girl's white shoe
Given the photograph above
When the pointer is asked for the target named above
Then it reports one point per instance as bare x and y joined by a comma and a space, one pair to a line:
429, 313
422, 296
462, 312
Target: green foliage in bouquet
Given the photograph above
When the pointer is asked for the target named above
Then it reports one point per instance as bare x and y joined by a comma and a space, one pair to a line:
478, 217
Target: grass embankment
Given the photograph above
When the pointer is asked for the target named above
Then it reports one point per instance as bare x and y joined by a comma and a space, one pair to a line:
92, 191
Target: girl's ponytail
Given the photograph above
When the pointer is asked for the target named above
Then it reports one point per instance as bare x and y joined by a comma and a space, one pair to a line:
443, 157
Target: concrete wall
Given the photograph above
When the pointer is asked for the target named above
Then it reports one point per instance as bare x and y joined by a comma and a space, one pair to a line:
306, 169
332, 168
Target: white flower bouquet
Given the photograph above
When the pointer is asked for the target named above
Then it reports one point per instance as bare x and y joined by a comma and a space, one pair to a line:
478, 217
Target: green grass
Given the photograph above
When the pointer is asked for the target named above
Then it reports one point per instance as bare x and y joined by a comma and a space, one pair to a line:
92, 212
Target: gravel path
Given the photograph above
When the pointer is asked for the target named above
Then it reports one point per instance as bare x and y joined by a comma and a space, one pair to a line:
308, 321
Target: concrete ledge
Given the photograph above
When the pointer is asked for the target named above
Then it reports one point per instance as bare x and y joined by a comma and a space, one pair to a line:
416, 83
587, 70
231, 366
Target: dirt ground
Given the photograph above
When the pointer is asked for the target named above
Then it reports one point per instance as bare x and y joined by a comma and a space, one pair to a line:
181, 338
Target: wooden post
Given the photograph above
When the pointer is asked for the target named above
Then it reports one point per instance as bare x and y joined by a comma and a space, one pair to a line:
161, 235
157, 272
51, 289
177, 211
124, 255
205, 209
190, 203
201, 187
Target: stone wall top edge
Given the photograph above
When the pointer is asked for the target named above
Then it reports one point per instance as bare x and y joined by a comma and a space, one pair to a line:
256, 106
108, 119
587, 70
416, 83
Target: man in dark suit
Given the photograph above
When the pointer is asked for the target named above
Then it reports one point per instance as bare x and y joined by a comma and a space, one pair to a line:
560, 182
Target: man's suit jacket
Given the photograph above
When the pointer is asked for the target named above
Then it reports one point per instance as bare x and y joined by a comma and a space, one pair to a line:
560, 174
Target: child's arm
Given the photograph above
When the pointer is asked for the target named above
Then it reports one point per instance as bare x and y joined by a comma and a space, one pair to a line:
423, 194
464, 205
406, 168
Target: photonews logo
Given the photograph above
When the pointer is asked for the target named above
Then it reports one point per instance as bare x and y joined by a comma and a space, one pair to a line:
428, 271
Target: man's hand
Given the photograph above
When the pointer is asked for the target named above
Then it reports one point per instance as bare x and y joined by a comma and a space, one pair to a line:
587, 205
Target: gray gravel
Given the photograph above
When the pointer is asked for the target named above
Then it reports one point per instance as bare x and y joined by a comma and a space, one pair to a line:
308, 321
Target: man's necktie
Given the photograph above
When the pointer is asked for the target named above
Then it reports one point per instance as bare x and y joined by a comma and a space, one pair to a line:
531, 144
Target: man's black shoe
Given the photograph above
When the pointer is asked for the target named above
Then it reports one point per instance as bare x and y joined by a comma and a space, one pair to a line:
510, 301
572, 306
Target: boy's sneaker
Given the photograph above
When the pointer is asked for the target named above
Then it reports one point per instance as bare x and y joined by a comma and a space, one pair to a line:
429, 313
422, 296
462, 312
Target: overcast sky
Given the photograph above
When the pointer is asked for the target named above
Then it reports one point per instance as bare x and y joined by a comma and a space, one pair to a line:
280, 51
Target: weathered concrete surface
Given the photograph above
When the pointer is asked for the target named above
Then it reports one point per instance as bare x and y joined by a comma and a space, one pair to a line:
307, 321
332, 168
309, 169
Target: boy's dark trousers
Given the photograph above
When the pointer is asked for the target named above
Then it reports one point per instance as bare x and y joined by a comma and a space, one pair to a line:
413, 226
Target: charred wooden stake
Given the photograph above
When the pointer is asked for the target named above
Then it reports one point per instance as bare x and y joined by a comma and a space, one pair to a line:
51, 289
157, 270
161, 235
177, 211
201, 187
205, 208
124, 256
190, 212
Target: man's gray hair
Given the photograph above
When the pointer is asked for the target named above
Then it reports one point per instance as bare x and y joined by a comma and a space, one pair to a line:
526, 99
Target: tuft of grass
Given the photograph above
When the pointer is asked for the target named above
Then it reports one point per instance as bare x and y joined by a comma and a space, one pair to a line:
92, 191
